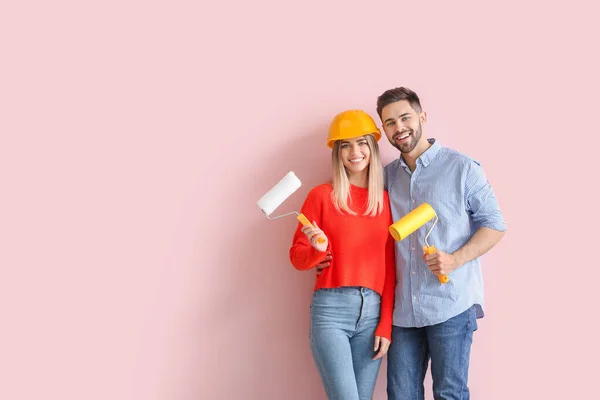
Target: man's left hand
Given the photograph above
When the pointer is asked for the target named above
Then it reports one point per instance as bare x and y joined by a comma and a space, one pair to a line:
441, 263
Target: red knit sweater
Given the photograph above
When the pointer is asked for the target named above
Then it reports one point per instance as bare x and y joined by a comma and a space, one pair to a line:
361, 247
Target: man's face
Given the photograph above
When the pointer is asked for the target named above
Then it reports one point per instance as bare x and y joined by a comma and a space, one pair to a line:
402, 125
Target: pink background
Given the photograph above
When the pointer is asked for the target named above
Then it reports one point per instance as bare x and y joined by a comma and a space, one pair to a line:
136, 138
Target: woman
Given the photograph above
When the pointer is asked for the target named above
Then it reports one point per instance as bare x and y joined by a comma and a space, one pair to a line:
353, 299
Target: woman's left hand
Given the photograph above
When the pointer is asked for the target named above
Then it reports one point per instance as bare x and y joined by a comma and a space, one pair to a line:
381, 344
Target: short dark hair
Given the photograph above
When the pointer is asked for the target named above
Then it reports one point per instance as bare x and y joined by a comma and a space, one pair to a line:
397, 94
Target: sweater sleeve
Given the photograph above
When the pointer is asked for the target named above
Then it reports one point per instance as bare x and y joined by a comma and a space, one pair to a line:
303, 255
384, 329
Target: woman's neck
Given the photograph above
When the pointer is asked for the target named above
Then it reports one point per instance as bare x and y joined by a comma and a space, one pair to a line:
360, 179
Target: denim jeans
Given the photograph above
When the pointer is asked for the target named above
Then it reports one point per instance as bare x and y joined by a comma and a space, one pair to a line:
448, 345
342, 336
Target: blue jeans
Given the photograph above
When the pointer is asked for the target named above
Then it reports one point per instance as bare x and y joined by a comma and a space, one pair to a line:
342, 336
447, 344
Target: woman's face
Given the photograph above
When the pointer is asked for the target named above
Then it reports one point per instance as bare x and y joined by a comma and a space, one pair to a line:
355, 154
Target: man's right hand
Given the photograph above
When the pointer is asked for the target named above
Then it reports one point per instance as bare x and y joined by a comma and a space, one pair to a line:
324, 264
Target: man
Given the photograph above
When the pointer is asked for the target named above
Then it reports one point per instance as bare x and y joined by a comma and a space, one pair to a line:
434, 321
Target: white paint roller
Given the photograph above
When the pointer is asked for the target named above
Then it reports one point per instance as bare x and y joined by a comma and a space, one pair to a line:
278, 194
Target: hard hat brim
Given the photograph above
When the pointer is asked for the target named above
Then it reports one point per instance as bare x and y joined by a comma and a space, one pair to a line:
376, 136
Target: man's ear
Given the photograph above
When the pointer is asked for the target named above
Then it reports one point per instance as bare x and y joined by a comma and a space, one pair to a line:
423, 117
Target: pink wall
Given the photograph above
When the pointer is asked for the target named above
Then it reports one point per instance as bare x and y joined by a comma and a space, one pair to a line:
136, 138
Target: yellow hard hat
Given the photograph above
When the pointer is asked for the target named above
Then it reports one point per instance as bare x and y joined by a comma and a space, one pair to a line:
350, 124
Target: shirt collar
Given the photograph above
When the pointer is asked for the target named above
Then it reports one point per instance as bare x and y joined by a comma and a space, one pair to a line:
428, 155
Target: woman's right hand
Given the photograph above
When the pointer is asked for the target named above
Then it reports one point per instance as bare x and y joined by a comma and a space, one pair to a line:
313, 233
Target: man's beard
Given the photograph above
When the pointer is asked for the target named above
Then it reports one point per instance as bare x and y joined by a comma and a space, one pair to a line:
409, 145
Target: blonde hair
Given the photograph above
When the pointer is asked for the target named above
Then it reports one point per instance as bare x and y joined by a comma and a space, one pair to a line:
341, 182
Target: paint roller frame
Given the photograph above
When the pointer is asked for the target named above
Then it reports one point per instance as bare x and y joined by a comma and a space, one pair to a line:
289, 178
408, 219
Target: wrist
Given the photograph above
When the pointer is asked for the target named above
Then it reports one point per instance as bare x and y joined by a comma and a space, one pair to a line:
459, 258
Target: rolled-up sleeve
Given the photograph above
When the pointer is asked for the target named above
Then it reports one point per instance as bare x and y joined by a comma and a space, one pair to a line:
480, 200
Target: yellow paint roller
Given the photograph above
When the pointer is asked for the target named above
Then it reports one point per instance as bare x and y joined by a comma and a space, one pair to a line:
413, 221
278, 194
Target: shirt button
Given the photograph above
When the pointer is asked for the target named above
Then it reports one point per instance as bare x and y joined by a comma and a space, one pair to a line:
413, 249
414, 272
414, 297
414, 200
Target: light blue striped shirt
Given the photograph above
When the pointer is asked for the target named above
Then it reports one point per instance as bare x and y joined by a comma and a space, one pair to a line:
457, 189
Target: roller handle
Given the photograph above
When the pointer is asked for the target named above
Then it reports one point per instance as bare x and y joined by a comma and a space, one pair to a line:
305, 222
431, 250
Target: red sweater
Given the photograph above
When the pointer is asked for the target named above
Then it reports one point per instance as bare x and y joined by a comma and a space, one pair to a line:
361, 247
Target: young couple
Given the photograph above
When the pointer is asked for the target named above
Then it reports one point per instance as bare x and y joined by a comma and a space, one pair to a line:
374, 296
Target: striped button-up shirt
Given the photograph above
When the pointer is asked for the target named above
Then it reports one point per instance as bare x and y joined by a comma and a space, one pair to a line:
457, 189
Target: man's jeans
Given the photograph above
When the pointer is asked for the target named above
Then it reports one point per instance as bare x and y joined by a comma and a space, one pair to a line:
342, 329
448, 345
